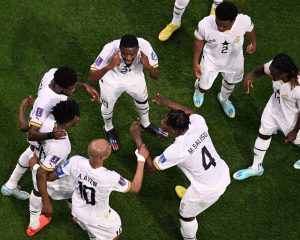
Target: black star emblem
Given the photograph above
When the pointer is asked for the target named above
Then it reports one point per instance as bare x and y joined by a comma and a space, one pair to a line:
225, 43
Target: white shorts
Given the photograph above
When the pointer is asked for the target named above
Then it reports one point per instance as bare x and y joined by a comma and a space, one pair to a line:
209, 75
269, 125
58, 190
111, 89
103, 231
194, 202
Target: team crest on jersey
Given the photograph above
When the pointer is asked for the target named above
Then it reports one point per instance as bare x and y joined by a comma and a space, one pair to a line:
122, 182
162, 159
39, 112
153, 56
98, 61
54, 159
237, 39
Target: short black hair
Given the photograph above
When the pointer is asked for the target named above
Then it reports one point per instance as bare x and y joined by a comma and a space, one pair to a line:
226, 11
129, 41
178, 120
65, 77
65, 111
285, 64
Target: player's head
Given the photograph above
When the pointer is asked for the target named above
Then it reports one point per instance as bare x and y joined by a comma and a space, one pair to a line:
98, 151
283, 68
226, 13
66, 113
177, 121
65, 78
129, 47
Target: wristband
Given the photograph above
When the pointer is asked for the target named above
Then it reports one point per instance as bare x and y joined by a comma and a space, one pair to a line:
35, 167
49, 135
139, 156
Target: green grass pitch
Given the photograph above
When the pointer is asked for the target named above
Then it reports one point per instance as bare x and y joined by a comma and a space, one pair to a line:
39, 35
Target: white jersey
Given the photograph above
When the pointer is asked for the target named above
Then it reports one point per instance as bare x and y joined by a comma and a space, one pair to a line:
90, 200
194, 153
223, 50
284, 102
124, 71
45, 100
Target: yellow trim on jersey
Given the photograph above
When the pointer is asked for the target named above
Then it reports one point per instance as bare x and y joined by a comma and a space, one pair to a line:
35, 124
156, 165
128, 188
155, 66
198, 37
47, 169
93, 68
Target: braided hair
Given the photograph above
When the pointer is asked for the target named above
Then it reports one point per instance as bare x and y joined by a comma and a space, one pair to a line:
285, 64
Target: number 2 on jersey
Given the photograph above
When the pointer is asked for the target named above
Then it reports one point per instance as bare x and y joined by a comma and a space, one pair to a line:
211, 161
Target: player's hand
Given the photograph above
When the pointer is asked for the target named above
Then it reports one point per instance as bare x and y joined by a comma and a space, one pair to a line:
135, 130
93, 92
291, 136
144, 60
115, 60
250, 48
248, 83
197, 71
143, 151
47, 209
159, 99
33, 160
58, 133
29, 101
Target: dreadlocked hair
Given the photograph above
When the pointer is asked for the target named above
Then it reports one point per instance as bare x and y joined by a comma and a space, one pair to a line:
285, 64
65, 111
178, 120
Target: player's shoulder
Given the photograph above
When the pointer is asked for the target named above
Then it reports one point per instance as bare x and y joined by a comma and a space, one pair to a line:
243, 18
208, 20
196, 117
143, 42
78, 160
112, 45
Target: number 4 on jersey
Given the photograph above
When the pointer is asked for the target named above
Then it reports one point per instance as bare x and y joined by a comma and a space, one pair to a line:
211, 161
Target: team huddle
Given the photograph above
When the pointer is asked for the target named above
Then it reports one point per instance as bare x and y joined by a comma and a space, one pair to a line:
86, 184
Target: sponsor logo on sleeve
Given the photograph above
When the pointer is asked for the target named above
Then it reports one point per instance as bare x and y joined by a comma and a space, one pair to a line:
162, 159
54, 159
39, 112
98, 61
122, 182
153, 56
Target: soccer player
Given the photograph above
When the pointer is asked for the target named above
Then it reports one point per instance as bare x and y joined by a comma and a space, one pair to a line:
281, 112
194, 153
93, 185
119, 68
51, 153
179, 8
221, 38
56, 85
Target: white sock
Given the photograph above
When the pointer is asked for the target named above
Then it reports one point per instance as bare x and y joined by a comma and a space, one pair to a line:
107, 118
260, 148
35, 209
189, 229
20, 169
226, 90
179, 8
143, 110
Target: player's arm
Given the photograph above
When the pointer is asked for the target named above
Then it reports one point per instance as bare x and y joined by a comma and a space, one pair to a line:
34, 133
161, 100
251, 48
89, 89
135, 131
292, 135
197, 50
255, 73
23, 122
96, 74
153, 71
41, 176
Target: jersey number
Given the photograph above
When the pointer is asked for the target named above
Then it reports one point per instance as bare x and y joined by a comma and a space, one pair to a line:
87, 193
211, 161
